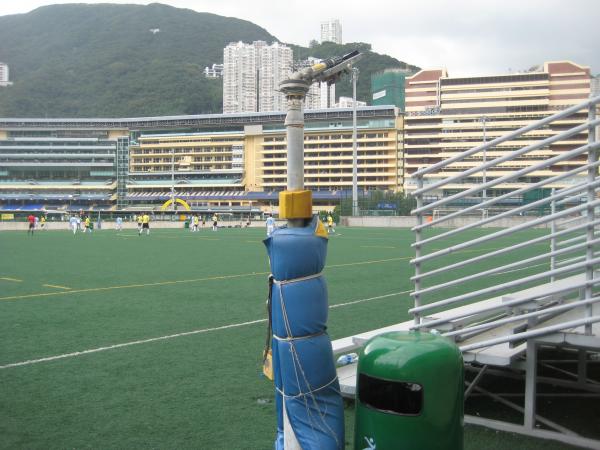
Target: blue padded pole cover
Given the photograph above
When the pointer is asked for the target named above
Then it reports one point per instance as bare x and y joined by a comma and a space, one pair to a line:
304, 371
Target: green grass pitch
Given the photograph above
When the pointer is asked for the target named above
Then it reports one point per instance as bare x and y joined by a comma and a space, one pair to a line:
155, 341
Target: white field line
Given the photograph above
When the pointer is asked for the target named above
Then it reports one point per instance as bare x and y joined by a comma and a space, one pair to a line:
362, 300
172, 336
521, 268
16, 280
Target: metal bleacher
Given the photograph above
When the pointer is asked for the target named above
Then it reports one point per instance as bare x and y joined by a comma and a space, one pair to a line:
529, 284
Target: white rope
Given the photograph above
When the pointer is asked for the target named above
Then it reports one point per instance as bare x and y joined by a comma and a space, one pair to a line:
297, 365
295, 280
312, 391
291, 338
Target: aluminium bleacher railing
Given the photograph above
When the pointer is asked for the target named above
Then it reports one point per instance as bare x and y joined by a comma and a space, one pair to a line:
583, 189
539, 306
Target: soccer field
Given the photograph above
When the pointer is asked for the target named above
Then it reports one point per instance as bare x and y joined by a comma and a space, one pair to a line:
114, 340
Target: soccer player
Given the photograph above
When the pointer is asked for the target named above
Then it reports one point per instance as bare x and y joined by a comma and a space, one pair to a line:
87, 224
31, 220
196, 222
42, 222
145, 224
215, 219
330, 224
73, 224
270, 225
139, 221
203, 221
119, 223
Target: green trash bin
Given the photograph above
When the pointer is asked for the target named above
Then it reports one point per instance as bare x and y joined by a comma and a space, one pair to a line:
409, 393
186, 224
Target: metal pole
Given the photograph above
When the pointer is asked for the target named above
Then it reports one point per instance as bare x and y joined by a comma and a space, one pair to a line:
591, 196
484, 120
173, 178
354, 146
294, 123
295, 93
553, 238
530, 379
417, 297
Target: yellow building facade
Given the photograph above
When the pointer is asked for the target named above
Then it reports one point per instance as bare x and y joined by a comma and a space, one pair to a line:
247, 167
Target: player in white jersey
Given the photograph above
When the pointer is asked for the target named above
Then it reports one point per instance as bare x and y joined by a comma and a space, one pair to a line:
119, 223
73, 224
270, 225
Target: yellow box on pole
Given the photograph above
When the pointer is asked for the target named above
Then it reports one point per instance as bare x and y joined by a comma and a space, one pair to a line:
295, 204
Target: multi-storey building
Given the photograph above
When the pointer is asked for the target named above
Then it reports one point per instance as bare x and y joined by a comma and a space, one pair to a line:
197, 166
387, 87
211, 161
331, 31
240, 78
60, 169
274, 66
215, 71
595, 86
251, 76
348, 102
4, 76
446, 116
328, 156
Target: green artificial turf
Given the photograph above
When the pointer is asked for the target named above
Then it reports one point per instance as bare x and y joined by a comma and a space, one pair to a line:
111, 294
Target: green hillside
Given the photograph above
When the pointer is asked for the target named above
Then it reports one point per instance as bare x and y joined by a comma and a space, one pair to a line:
103, 61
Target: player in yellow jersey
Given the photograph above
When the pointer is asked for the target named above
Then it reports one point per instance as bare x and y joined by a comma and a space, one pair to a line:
330, 224
43, 222
145, 224
139, 221
215, 219
87, 224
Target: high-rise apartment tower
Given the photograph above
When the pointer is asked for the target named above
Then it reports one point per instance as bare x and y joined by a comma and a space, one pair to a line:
331, 31
251, 76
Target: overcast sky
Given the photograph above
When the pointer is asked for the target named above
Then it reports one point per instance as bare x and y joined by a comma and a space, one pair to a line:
468, 37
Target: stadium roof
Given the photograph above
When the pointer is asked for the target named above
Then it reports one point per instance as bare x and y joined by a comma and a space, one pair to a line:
194, 120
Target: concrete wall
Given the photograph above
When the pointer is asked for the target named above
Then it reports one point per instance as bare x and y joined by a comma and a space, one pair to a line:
409, 221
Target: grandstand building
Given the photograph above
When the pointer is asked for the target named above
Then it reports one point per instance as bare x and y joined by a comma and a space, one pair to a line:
58, 170
446, 116
233, 161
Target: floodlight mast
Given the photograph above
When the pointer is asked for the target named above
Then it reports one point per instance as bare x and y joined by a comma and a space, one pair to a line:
296, 203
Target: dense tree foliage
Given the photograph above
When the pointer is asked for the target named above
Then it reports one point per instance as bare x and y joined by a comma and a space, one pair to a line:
376, 203
105, 61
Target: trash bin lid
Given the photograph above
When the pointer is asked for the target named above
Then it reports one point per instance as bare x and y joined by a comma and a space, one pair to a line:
411, 356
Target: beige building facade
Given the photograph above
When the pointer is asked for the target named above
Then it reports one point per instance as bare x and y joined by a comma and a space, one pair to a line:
446, 116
